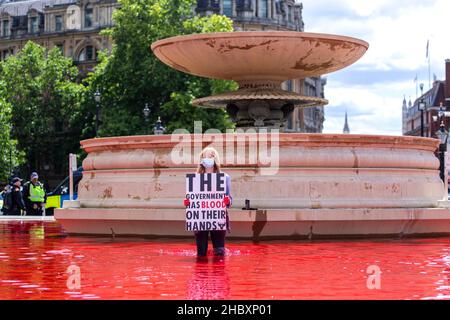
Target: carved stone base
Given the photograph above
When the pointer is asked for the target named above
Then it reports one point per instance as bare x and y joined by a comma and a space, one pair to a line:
259, 104
260, 113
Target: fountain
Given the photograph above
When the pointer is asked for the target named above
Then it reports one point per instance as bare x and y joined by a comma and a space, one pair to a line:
324, 185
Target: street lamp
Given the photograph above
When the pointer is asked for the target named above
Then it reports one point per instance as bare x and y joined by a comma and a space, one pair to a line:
98, 98
146, 112
159, 129
422, 107
442, 134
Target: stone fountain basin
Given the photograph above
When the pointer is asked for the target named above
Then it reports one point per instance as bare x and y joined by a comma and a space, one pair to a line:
314, 171
259, 55
327, 186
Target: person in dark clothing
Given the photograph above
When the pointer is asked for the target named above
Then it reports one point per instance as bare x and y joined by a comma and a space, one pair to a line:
34, 196
210, 163
3, 194
13, 204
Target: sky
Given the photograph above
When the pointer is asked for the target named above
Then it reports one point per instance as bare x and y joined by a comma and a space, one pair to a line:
372, 89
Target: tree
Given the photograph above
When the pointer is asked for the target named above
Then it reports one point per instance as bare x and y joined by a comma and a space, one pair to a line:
41, 88
9, 156
132, 75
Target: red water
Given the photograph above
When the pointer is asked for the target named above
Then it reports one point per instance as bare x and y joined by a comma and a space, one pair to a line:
35, 257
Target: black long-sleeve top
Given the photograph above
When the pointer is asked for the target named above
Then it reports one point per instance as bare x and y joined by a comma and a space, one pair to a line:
17, 199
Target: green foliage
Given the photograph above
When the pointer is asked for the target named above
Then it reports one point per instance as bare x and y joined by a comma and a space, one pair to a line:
132, 76
45, 98
213, 23
9, 156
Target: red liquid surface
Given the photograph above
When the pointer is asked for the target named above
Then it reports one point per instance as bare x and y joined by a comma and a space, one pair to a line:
35, 258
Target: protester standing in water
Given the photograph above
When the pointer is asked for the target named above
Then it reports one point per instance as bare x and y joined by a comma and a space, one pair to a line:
210, 163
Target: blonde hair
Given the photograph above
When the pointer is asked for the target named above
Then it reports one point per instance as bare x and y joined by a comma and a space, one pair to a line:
201, 168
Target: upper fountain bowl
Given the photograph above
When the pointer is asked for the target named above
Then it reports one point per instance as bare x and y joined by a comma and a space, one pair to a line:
259, 55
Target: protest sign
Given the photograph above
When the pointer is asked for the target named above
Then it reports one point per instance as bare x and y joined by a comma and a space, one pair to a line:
206, 210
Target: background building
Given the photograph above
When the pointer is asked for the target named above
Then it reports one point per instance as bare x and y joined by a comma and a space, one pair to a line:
71, 25
433, 98
257, 15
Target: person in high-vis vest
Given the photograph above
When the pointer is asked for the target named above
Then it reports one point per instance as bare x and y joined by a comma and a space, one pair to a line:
34, 196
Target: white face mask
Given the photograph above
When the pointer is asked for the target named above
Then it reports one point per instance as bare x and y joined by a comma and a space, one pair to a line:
208, 162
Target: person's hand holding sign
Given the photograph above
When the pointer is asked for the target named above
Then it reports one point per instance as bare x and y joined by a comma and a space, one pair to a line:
186, 202
226, 200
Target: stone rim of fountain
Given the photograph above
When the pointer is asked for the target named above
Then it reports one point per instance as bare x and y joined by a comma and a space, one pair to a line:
307, 139
211, 38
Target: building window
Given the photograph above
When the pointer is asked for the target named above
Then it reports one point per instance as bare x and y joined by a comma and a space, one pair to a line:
263, 9
34, 27
290, 122
310, 90
227, 8
5, 28
58, 23
290, 13
88, 17
60, 46
87, 54
6, 53
289, 85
